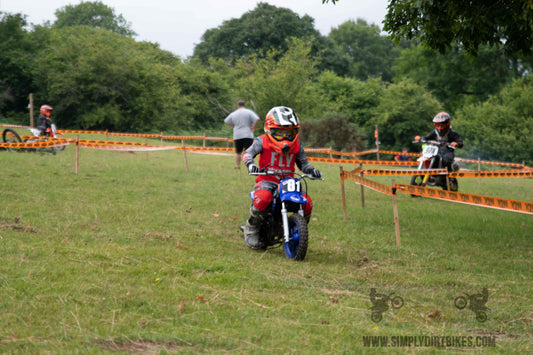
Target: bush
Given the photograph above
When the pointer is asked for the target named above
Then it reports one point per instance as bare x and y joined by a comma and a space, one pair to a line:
335, 131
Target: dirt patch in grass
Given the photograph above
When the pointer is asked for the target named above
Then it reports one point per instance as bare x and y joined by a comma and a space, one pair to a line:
16, 225
140, 346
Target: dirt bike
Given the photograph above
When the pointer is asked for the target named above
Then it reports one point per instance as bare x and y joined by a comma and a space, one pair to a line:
280, 228
431, 159
477, 305
381, 305
11, 136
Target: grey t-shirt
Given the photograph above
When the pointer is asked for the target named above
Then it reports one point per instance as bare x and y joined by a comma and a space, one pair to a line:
242, 120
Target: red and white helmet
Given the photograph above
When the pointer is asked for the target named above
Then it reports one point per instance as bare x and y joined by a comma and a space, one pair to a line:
46, 110
442, 122
281, 127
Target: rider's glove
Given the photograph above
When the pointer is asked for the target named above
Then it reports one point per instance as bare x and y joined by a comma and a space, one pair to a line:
316, 174
453, 144
417, 138
253, 169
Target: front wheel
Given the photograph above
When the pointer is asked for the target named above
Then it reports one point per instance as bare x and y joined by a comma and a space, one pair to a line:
417, 180
454, 185
397, 302
10, 136
296, 247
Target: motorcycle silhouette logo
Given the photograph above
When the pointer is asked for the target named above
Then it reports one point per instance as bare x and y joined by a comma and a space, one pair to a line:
380, 304
477, 304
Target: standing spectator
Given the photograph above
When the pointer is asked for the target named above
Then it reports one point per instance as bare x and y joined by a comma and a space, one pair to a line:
243, 121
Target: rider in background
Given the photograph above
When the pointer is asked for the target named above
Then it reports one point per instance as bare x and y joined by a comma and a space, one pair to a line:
45, 121
443, 133
279, 149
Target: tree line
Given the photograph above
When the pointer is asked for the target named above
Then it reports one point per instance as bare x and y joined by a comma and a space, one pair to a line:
88, 65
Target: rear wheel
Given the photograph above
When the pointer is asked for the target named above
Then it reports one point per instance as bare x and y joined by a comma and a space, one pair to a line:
10, 136
296, 248
460, 302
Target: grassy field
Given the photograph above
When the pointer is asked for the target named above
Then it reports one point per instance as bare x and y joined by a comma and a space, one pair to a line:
137, 255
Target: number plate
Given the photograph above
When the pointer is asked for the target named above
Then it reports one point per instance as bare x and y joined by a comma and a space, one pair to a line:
291, 185
430, 150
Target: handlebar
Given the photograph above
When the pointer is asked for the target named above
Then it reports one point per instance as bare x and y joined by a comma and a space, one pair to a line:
282, 173
437, 143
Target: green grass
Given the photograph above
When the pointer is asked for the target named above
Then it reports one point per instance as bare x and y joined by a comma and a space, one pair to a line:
140, 255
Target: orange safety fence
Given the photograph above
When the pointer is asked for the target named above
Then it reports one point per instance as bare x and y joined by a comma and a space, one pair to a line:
469, 199
451, 196
308, 150
355, 176
361, 161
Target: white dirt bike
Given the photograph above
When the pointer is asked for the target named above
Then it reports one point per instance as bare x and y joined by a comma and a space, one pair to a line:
431, 159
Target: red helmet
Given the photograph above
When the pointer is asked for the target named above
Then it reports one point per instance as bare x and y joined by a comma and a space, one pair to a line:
46, 110
442, 122
281, 127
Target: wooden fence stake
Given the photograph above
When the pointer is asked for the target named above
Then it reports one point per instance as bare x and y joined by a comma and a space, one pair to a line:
185, 155
362, 189
479, 168
376, 136
343, 195
31, 110
77, 153
396, 218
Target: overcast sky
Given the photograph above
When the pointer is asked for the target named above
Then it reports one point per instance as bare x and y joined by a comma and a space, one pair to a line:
178, 25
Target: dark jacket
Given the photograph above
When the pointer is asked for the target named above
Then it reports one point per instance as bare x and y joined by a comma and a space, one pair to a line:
43, 123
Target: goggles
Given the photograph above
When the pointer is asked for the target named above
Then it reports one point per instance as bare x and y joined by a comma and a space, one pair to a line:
441, 125
281, 134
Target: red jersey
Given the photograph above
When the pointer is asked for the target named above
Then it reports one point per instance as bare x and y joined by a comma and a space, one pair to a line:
268, 157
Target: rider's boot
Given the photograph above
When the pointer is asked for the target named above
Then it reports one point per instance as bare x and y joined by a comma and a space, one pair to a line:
253, 225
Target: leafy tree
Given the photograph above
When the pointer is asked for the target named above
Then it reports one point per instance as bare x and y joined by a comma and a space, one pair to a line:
335, 130
257, 31
354, 98
16, 53
368, 53
96, 79
469, 24
206, 91
455, 77
406, 109
500, 128
288, 81
93, 14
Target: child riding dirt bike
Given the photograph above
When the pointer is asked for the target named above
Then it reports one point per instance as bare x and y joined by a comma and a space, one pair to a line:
279, 149
439, 153
44, 123
443, 133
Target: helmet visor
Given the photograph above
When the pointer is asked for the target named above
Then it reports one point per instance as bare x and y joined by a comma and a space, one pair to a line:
281, 134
